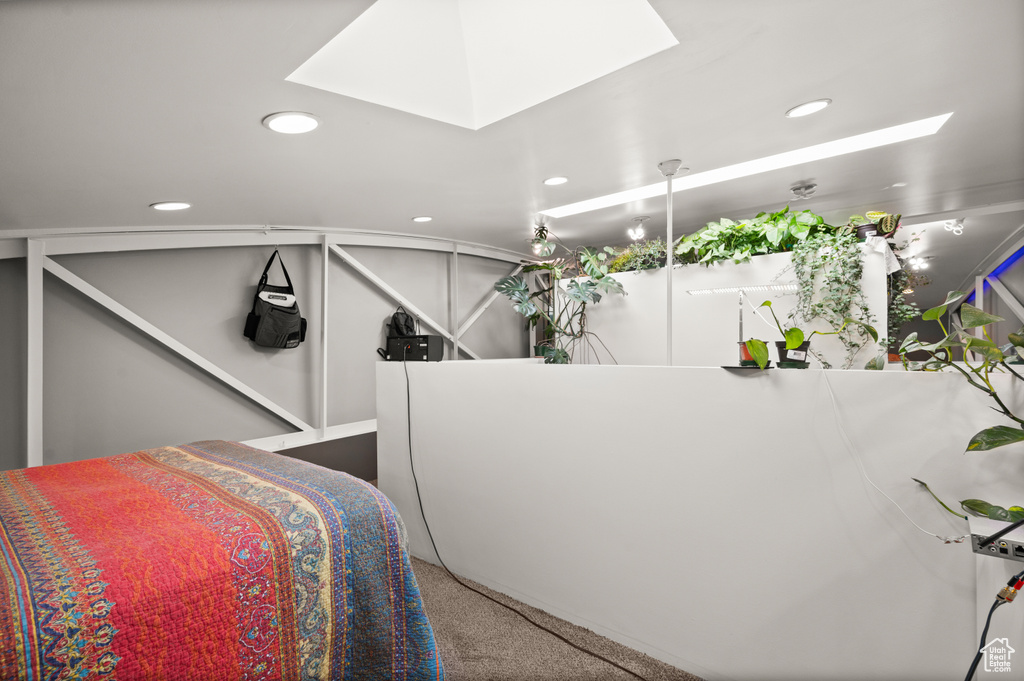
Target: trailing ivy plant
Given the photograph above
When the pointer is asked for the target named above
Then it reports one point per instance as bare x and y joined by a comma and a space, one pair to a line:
828, 267
899, 309
561, 312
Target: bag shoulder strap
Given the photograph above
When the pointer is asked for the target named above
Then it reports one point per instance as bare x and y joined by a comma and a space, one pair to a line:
263, 278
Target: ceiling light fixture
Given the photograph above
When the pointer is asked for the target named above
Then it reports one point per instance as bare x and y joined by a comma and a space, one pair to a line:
917, 263
846, 145
804, 191
637, 233
552, 181
955, 226
291, 122
807, 108
899, 184
422, 218
170, 205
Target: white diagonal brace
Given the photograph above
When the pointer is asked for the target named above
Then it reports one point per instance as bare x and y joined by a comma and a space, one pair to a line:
482, 307
1007, 297
170, 343
397, 297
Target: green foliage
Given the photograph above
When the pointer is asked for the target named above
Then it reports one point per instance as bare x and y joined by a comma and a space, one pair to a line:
739, 241
977, 372
979, 508
795, 336
899, 310
640, 255
560, 312
758, 350
828, 269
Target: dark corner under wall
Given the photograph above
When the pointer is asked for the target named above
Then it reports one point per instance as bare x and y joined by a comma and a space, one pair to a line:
355, 455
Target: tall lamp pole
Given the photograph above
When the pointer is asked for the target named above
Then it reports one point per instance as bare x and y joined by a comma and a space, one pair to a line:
668, 169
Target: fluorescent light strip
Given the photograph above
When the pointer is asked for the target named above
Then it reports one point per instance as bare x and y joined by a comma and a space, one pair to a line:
737, 289
847, 145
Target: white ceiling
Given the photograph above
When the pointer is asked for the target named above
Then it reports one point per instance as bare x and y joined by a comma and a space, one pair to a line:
107, 106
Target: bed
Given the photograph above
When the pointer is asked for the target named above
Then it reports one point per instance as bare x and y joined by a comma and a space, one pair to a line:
211, 560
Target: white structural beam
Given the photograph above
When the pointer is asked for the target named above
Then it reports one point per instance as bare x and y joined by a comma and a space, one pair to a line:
1008, 298
482, 307
325, 261
170, 343
139, 239
453, 300
34, 354
389, 291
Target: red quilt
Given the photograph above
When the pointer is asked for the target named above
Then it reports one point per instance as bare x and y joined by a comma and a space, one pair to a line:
206, 561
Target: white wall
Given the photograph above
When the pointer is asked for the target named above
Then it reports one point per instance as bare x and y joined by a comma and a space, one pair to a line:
714, 519
705, 329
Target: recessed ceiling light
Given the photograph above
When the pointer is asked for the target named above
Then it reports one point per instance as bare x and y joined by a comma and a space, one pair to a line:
807, 108
556, 180
170, 205
899, 184
422, 218
846, 145
291, 122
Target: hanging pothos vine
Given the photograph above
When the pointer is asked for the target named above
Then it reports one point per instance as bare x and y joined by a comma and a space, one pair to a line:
828, 268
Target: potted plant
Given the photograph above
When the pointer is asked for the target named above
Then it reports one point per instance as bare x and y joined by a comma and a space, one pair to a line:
559, 312
875, 223
794, 348
989, 358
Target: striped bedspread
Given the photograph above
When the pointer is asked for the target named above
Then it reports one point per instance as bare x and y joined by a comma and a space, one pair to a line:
207, 561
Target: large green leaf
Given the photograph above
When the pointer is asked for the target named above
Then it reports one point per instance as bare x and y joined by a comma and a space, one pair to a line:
794, 338
609, 285
759, 351
867, 327
936, 312
934, 496
582, 292
877, 363
1017, 338
972, 317
983, 509
996, 436
510, 285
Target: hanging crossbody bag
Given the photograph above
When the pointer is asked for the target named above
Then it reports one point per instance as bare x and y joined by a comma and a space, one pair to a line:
274, 321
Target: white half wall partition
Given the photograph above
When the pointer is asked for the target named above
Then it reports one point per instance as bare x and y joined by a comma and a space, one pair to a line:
743, 541
706, 312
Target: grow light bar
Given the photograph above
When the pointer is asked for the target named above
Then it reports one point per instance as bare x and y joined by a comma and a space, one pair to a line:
744, 289
846, 145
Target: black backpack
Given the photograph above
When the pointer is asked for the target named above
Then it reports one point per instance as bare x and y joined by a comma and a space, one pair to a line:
402, 324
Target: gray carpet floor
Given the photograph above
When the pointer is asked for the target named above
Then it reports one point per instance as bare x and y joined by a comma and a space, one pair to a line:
482, 641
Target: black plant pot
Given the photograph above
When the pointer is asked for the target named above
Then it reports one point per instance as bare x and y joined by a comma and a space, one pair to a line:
795, 358
864, 231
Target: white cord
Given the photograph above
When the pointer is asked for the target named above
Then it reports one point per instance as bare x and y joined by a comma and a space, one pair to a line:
860, 465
